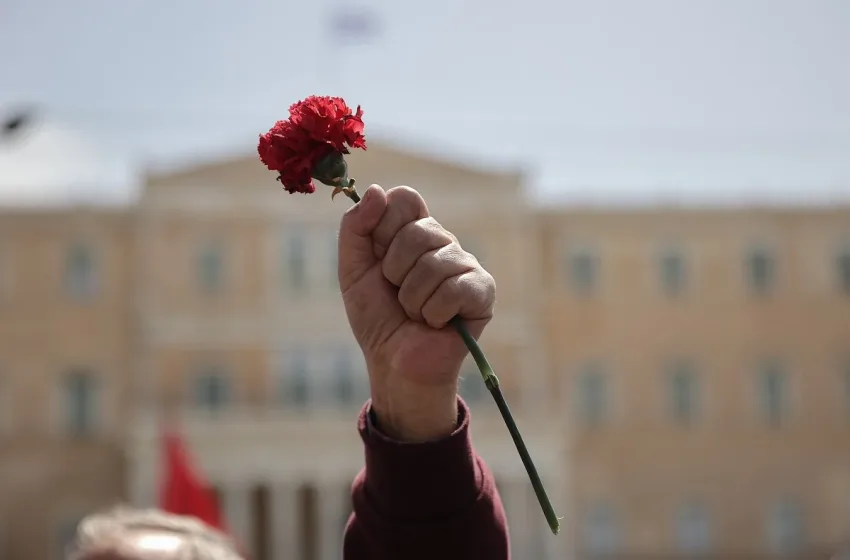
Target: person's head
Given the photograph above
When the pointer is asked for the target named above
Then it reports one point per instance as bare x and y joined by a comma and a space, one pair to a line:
131, 534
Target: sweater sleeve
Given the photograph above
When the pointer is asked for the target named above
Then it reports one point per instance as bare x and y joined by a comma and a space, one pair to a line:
425, 500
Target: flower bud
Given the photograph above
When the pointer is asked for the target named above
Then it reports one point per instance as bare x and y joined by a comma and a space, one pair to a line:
332, 170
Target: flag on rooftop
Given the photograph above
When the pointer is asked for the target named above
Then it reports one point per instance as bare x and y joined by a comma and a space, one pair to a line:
354, 24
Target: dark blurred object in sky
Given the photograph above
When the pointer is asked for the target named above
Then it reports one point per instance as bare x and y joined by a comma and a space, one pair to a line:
15, 123
350, 24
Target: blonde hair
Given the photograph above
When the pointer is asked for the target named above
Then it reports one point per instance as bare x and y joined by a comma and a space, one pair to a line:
107, 533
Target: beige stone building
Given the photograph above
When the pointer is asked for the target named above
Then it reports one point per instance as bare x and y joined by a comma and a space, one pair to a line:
242, 326
66, 353
681, 376
704, 357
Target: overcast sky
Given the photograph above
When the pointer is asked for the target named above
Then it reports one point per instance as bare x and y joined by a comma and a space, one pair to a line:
629, 98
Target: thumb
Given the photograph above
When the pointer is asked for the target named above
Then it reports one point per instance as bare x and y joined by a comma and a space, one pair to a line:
356, 249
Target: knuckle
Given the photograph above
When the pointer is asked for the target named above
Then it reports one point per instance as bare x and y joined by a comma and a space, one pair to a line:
424, 232
487, 284
404, 196
402, 191
450, 291
455, 288
455, 253
478, 287
430, 261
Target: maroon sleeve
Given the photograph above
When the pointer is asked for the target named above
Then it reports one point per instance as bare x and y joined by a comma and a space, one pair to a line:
424, 500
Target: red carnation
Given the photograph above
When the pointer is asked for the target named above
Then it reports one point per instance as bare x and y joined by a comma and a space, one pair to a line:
317, 127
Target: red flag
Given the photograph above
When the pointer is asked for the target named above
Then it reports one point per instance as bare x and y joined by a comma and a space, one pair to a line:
184, 491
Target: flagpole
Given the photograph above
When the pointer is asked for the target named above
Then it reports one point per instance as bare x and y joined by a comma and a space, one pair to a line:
349, 24
337, 54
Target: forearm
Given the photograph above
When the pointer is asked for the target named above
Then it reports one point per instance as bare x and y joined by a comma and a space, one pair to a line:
434, 499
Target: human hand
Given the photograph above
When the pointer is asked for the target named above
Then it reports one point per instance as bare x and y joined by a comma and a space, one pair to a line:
403, 277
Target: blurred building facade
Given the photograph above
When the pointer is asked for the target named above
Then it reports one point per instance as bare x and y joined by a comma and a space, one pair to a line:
704, 356
682, 376
244, 339
66, 354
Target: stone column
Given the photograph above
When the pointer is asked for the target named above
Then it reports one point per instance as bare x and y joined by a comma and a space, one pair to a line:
147, 496
238, 513
332, 508
141, 489
283, 528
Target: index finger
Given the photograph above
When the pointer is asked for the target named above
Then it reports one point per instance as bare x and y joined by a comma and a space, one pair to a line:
404, 205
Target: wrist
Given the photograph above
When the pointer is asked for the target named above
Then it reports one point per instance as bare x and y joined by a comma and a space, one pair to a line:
413, 413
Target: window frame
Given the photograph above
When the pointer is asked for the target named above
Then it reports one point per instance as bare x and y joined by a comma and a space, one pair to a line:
226, 387
681, 255
775, 413
683, 368
292, 283
285, 374
75, 287
590, 530
841, 263
572, 281
772, 270
601, 413
776, 540
684, 519
94, 411
343, 378
211, 247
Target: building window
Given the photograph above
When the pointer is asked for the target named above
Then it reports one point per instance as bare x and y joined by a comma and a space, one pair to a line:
785, 530
673, 273
761, 271
842, 264
773, 389
592, 395
845, 379
212, 389
5, 404
472, 388
210, 267
343, 377
601, 531
4, 275
693, 528
295, 382
294, 262
583, 272
80, 276
81, 406
683, 392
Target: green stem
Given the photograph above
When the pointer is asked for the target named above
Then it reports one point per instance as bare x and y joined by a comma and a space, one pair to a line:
492, 384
